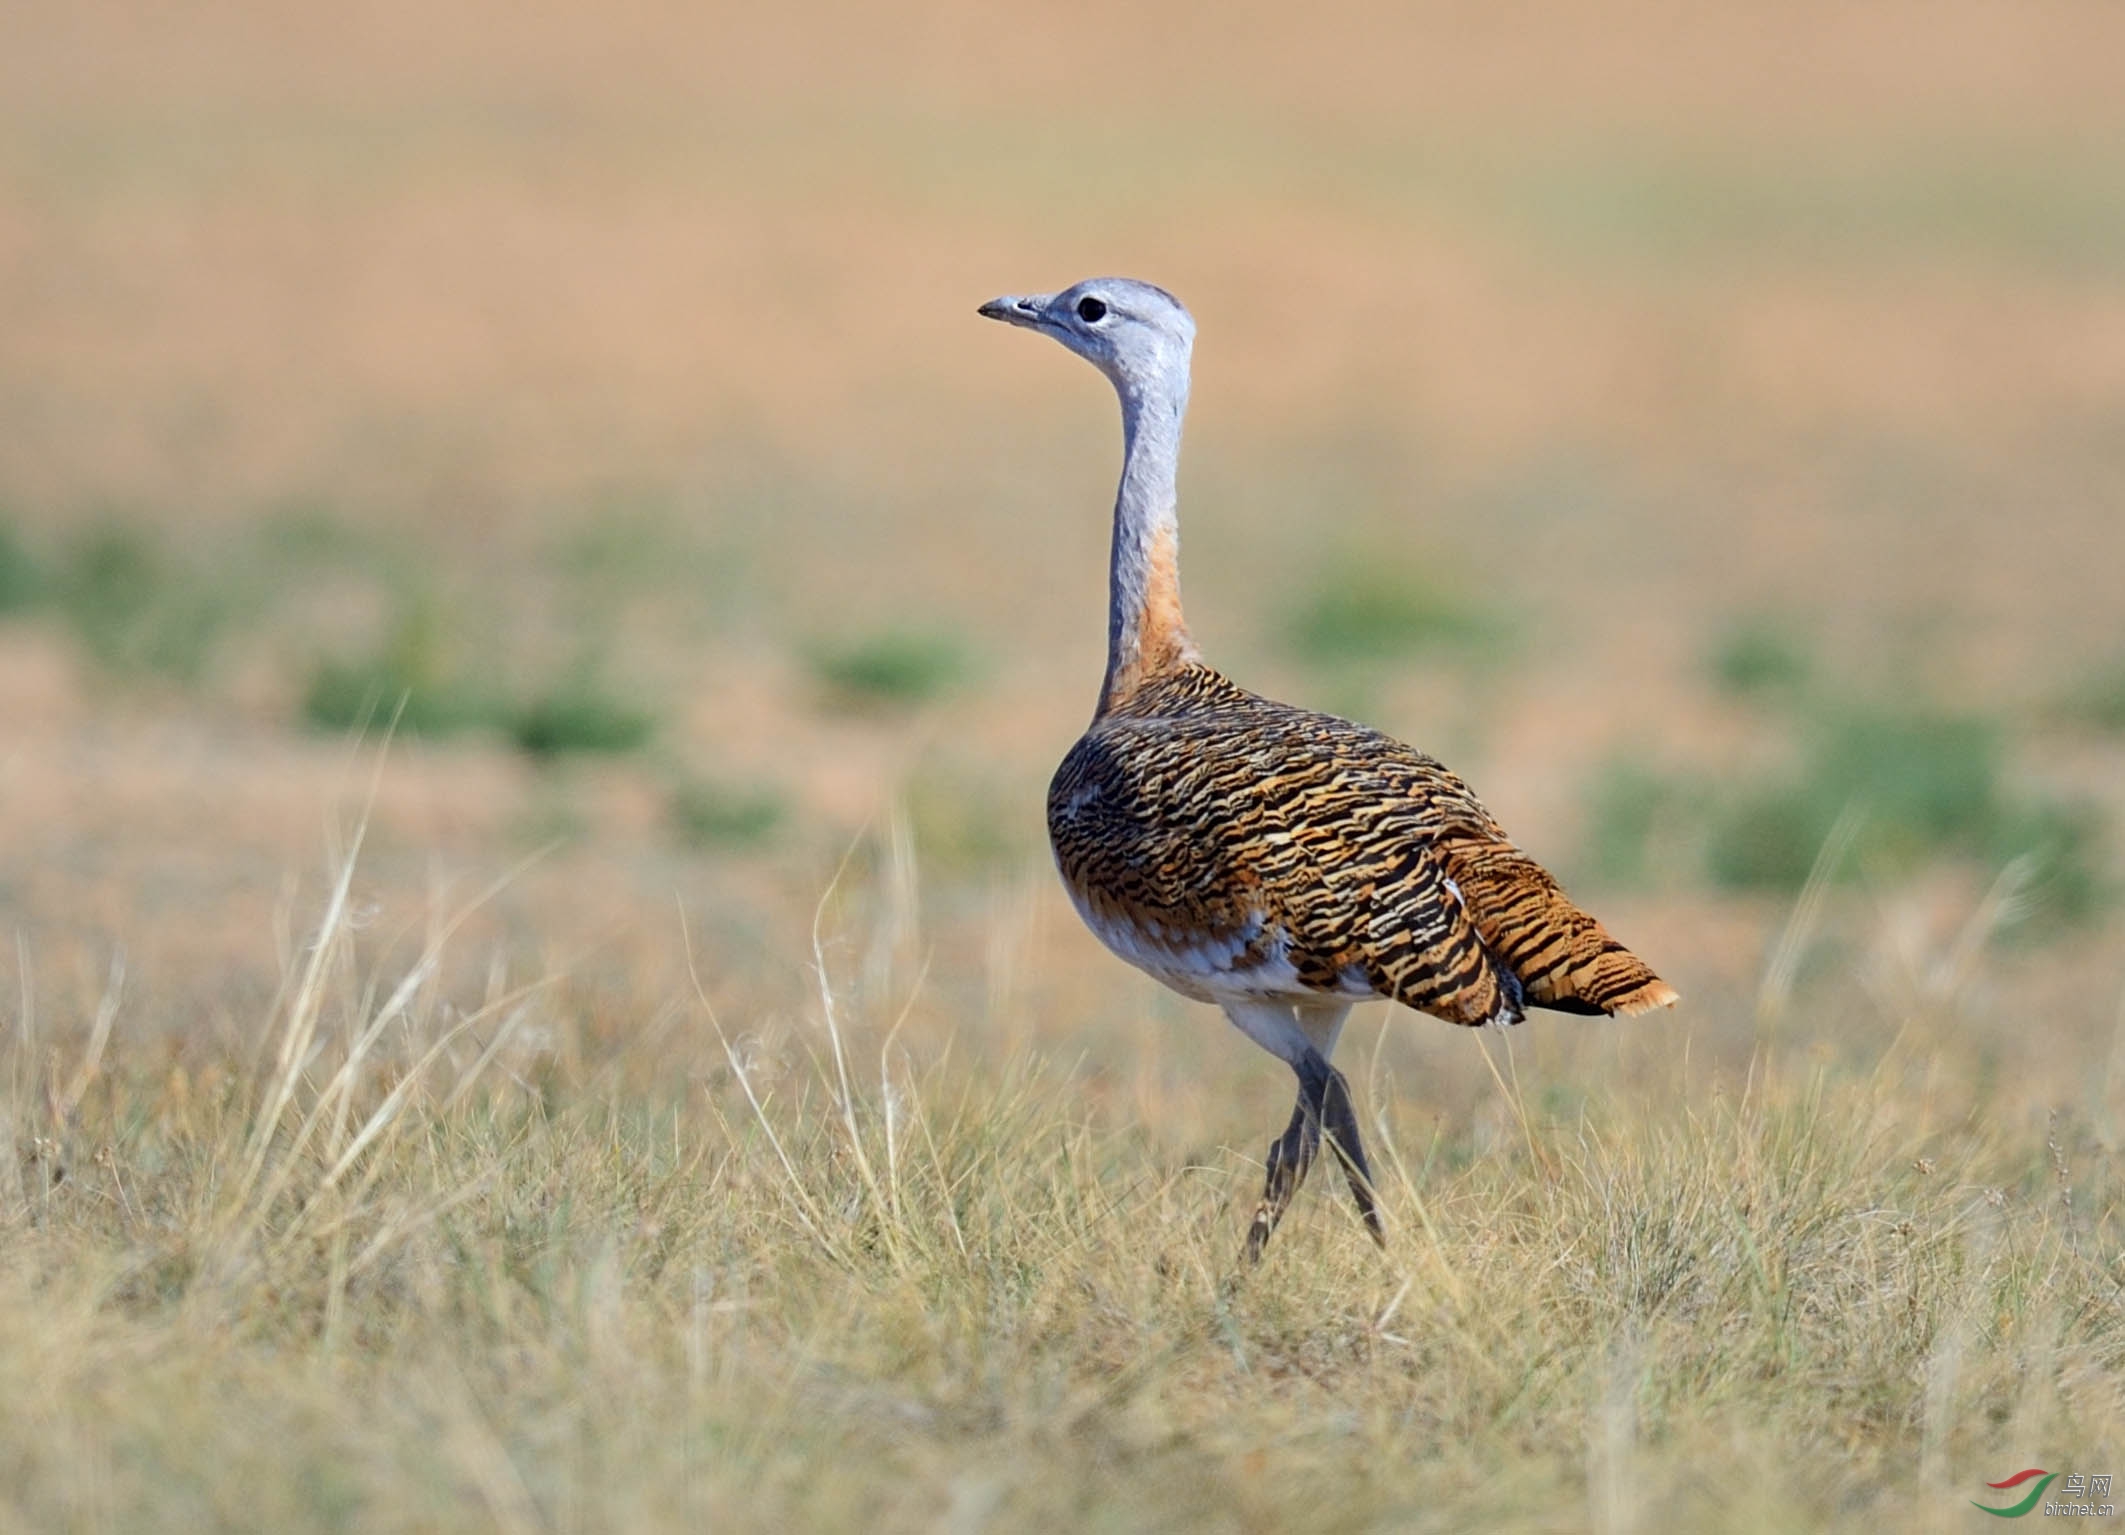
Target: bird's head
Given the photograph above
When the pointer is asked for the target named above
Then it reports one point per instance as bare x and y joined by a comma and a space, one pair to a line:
1138, 334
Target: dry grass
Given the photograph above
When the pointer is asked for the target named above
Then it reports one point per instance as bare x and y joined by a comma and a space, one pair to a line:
435, 1249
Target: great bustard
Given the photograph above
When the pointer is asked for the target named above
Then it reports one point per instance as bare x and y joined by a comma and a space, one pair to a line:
1280, 863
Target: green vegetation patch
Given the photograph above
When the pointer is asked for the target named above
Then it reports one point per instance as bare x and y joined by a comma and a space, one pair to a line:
414, 678
963, 821
1926, 783
895, 668
1364, 613
136, 608
2098, 699
580, 715
348, 694
715, 814
1919, 783
411, 676
1633, 817
1928, 786
1923, 786
1760, 655
22, 577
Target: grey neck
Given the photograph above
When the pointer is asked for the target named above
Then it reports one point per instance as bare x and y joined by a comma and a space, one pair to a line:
1144, 626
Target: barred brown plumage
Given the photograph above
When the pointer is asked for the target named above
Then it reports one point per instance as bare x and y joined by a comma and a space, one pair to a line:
1241, 835
1281, 863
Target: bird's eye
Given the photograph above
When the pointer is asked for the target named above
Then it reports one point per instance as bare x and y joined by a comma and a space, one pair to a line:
1091, 310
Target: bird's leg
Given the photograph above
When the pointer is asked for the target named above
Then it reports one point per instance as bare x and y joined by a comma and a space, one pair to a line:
1304, 1035
1290, 1155
1323, 1107
1322, 1023
1340, 1121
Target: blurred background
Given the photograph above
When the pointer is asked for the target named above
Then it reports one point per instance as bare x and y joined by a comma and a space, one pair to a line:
1693, 423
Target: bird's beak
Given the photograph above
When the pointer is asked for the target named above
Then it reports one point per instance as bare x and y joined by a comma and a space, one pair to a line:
1014, 309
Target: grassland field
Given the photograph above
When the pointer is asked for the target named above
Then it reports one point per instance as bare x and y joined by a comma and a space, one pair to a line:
534, 622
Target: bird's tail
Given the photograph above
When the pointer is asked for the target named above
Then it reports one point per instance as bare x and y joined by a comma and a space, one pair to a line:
1563, 957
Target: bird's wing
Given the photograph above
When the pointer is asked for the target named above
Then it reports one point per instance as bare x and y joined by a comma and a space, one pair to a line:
1365, 887
1379, 861
1210, 831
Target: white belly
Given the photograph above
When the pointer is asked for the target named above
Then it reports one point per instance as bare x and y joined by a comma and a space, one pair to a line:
1234, 968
